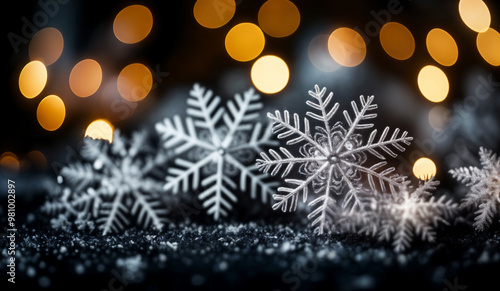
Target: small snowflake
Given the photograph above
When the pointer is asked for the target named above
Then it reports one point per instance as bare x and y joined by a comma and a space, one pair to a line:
484, 188
402, 215
217, 144
112, 184
333, 158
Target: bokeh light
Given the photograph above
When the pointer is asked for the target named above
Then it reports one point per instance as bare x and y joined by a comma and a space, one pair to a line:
439, 117
37, 159
424, 168
279, 18
488, 45
397, 41
270, 74
319, 55
100, 129
347, 47
134, 82
244, 42
85, 78
32, 79
46, 46
475, 14
214, 13
442, 47
133, 24
433, 83
9, 162
51, 112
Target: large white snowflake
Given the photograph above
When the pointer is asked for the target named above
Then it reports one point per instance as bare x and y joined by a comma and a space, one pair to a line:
113, 184
484, 186
333, 158
402, 215
213, 146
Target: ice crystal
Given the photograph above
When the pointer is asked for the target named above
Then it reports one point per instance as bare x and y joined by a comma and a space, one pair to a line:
484, 186
112, 184
213, 145
400, 216
333, 158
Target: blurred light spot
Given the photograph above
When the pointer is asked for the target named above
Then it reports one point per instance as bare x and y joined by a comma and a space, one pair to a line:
134, 82
279, 18
46, 46
347, 47
319, 55
214, 13
433, 83
475, 14
244, 42
438, 117
51, 112
85, 78
397, 41
488, 45
32, 79
270, 74
9, 162
442, 47
38, 159
133, 24
100, 129
424, 168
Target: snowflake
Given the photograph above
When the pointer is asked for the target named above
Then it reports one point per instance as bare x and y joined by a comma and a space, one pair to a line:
216, 144
332, 159
402, 215
111, 184
484, 188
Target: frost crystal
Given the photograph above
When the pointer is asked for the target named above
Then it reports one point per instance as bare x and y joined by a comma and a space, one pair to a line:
111, 184
217, 144
332, 159
484, 186
400, 216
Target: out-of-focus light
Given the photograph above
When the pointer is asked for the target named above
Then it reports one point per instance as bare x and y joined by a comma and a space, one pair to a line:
270, 74
32, 79
319, 55
244, 42
279, 18
433, 83
134, 82
347, 47
133, 23
424, 168
214, 13
397, 41
475, 14
438, 117
100, 129
38, 159
9, 162
488, 45
442, 47
85, 78
46, 46
51, 112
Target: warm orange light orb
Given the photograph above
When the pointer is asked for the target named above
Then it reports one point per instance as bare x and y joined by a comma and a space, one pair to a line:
133, 23
279, 18
347, 47
214, 13
244, 42
32, 79
135, 82
85, 78
46, 46
51, 112
442, 47
100, 129
424, 168
397, 41
270, 74
433, 83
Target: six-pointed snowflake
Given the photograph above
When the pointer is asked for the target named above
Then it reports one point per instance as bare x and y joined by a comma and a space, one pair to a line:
402, 215
217, 144
333, 159
484, 186
112, 184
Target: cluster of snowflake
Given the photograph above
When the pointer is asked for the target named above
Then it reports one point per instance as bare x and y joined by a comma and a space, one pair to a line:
484, 186
333, 162
111, 185
214, 145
